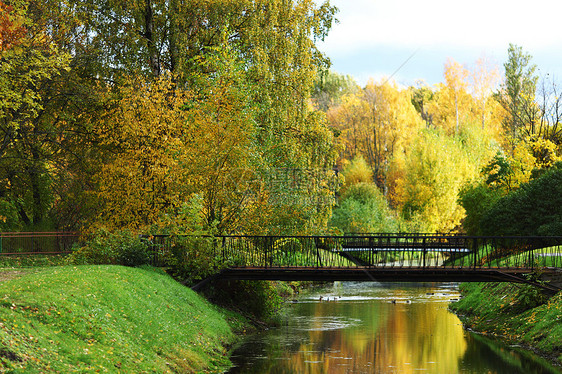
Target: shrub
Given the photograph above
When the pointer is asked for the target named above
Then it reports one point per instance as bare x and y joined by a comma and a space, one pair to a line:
112, 248
529, 296
193, 258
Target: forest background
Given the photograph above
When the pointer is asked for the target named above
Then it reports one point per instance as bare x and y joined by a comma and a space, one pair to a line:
222, 117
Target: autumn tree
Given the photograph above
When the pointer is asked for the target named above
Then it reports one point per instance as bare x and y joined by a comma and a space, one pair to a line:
30, 133
456, 86
437, 167
376, 123
246, 88
484, 78
394, 121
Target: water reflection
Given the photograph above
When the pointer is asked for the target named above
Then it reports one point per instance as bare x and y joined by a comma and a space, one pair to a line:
368, 328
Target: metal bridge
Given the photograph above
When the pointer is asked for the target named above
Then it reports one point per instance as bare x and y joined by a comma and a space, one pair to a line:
376, 257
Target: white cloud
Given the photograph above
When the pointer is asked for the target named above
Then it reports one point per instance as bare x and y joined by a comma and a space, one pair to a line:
484, 24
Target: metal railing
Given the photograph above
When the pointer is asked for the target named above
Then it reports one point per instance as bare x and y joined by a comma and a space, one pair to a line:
36, 243
372, 251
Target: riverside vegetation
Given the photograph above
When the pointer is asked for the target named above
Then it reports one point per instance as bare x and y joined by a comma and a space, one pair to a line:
517, 314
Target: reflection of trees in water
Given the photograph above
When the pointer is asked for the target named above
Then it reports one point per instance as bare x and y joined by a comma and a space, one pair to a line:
390, 338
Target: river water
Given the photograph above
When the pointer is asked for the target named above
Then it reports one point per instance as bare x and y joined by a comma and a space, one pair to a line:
373, 328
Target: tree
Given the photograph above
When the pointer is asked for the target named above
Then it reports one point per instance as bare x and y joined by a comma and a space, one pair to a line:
239, 76
376, 124
549, 103
363, 209
330, 87
476, 199
484, 79
421, 97
533, 209
164, 146
436, 168
517, 95
456, 84
31, 64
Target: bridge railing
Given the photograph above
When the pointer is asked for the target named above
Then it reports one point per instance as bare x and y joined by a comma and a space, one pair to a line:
386, 251
36, 243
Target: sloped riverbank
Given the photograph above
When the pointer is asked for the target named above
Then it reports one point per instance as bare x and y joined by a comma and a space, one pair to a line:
517, 314
109, 319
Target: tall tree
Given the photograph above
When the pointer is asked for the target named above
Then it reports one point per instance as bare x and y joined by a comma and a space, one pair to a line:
456, 84
330, 87
268, 46
421, 98
517, 95
437, 167
30, 133
484, 78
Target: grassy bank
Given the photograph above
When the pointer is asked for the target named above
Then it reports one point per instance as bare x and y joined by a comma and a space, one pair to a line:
515, 313
108, 319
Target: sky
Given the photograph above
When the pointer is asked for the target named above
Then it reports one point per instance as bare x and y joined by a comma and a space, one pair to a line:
413, 39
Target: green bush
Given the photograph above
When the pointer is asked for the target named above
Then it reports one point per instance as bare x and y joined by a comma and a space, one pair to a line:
533, 209
363, 209
112, 248
193, 258
529, 297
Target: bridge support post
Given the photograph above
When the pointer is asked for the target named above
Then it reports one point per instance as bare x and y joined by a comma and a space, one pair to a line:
424, 251
474, 252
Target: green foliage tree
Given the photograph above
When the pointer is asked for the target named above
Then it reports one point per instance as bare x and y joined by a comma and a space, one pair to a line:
476, 201
517, 94
533, 209
30, 140
330, 87
421, 96
364, 209
241, 77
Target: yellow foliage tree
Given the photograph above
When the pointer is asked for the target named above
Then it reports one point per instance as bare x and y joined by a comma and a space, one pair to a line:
165, 145
436, 169
376, 124
138, 178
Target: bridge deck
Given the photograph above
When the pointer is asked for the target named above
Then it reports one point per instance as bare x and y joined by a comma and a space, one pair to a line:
435, 274
403, 249
432, 274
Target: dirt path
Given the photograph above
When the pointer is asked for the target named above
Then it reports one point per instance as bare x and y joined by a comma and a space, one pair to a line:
7, 274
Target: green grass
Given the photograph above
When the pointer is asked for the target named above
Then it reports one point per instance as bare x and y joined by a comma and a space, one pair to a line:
108, 319
511, 312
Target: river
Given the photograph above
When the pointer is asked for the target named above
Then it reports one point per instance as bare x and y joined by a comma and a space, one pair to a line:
374, 328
